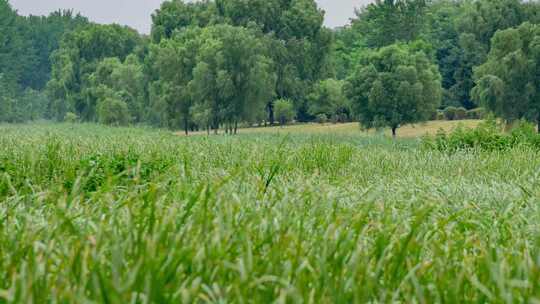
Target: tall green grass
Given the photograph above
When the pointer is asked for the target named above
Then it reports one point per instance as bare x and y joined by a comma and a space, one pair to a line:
91, 214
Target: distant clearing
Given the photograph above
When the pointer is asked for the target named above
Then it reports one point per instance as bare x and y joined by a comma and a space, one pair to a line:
409, 131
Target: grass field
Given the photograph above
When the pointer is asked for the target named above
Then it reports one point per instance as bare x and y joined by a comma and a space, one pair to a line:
353, 129
93, 214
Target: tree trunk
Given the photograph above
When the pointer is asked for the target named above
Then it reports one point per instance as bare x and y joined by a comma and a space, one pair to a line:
215, 126
235, 127
186, 126
271, 117
509, 125
394, 132
538, 123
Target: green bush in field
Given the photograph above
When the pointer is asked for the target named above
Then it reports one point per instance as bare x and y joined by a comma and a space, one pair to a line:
487, 136
440, 115
461, 113
328, 99
455, 113
450, 113
321, 118
71, 117
284, 111
113, 111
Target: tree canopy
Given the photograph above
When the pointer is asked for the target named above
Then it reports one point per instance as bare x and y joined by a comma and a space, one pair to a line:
26, 45
395, 85
508, 83
214, 64
460, 32
385, 22
293, 30
70, 88
328, 99
233, 76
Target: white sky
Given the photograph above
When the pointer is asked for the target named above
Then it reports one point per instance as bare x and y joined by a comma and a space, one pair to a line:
136, 13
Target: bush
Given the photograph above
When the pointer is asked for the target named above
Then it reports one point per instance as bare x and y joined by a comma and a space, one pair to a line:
450, 113
71, 117
112, 111
478, 113
440, 115
461, 113
488, 136
284, 111
454, 113
343, 117
321, 118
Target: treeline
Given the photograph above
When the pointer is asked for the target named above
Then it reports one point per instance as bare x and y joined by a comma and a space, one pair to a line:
26, 45
221, 63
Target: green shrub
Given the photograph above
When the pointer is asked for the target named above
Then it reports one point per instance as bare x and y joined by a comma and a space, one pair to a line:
450, 113
440, 115
284, 111
488, 136
112, 111
71, 117
344, 117
461, 113
524, 133
478, 113
455, 113
321, 118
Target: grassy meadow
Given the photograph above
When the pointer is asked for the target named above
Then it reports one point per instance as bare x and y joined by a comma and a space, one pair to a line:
90, 214
353, 129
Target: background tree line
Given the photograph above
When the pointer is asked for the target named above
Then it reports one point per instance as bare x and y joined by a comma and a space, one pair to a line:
26, 46
220, 63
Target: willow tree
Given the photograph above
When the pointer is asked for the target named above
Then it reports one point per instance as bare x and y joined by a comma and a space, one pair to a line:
77, 59
508, 83
233, 77
293, 30
173, 61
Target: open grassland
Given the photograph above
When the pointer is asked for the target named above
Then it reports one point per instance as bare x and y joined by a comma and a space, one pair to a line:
93, 214
353, 129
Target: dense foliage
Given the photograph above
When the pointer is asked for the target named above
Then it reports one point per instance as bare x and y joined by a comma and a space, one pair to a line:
460, 32
94, 214
328, 100
78, 73
221, 70
26, 46
218, 64
394, 86
284, 111
508, 83
488, 136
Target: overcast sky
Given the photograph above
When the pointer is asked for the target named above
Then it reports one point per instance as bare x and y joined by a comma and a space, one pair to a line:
136, 13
